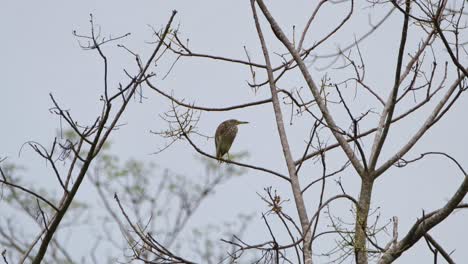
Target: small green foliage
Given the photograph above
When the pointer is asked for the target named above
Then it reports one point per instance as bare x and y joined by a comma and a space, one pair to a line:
70, 134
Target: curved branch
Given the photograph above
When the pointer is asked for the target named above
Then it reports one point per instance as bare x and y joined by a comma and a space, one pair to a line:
406, 162
208, 109
233, 162
5, 181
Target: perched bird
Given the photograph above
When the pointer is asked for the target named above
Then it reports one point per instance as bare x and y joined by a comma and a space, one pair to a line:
225, 135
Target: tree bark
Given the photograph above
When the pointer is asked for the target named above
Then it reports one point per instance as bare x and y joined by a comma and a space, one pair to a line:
362, 212
295, 186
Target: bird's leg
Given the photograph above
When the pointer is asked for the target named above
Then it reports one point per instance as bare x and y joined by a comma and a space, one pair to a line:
219, 159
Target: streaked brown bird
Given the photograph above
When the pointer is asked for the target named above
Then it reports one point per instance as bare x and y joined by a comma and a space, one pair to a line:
225, 135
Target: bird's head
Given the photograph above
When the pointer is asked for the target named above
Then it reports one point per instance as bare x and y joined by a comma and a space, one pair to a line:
237, 122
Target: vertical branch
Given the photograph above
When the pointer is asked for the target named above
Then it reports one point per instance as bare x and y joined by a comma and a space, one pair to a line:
322, 192
362, 213
387, 114
104, 58
365, 195
336, 131
296, 188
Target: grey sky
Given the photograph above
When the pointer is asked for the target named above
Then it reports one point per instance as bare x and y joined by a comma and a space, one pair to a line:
39, 56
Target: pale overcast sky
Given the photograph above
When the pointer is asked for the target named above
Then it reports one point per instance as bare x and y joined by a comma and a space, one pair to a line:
39, 55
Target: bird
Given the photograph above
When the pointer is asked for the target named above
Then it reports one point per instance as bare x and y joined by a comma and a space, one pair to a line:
225, 135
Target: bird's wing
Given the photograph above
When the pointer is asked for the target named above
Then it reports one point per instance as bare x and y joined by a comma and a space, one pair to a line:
218, 136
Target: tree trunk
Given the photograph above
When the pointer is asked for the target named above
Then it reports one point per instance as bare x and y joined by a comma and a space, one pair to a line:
362, 212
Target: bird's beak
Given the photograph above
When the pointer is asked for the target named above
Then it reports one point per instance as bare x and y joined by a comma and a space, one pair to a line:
242, 122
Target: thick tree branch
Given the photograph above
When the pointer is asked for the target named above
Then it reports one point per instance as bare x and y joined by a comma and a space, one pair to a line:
426, 223
430, 121
313, 88
387, 114
295, 185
